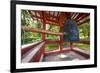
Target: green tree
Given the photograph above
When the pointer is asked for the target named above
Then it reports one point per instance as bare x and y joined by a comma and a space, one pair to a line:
84, 30
26, 20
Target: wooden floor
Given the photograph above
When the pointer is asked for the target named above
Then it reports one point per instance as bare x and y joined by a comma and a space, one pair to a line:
66, 56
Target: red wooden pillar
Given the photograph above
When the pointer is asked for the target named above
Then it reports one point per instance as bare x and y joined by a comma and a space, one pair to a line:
60, 36
71, 46
60, 42
44, 28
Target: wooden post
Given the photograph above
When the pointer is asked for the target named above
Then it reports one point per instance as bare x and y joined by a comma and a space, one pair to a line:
44, 28
60, 42
71, 46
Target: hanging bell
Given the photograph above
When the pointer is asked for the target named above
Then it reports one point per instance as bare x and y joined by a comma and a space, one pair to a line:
70, 31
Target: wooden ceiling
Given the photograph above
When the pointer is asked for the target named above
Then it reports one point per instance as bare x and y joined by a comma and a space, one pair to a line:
58, 18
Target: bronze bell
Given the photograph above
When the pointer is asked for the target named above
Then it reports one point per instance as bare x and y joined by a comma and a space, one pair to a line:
70, 31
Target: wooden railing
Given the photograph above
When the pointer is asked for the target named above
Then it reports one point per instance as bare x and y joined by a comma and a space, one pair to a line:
52, 41
81, 52
84, 41
28, 52
33, 52
30, 29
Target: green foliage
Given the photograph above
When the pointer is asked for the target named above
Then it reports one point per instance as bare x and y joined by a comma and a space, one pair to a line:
51, 37
52, 28
37, 24
51, 47
26, 20
84, 30
29, 37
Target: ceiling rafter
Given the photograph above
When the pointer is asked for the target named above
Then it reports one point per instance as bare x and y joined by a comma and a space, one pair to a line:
86, 19
82, 17
58, 19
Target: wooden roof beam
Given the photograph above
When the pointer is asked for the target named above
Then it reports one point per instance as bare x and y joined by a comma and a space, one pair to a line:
62, 18
54, 24
86, 19
38, 17
55, 21
84, 22
73, 15
76, 16
82, 17
51, 23
49, 15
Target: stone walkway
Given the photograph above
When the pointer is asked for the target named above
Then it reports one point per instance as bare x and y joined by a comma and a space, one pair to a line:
66, 56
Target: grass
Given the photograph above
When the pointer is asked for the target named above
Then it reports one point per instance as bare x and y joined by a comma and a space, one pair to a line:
84, 47
51, 47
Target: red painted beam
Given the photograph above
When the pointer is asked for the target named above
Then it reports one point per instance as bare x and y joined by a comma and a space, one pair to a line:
44, 28
49, 15
73, 15
87, 20
37, 17
82, 17
77, 14
54, 24
51, 20
80, 14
